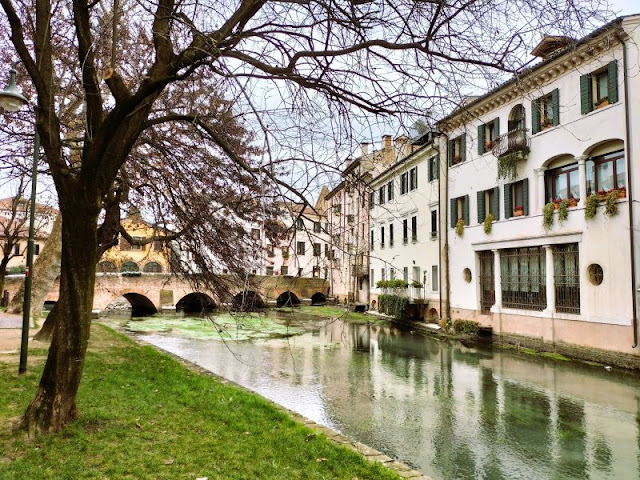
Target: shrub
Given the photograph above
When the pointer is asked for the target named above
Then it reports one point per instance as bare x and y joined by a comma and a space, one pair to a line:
17, 270
563, 210
395, 283
465, 326
416, 284
392, 305
611, 203
460, 227
488, 223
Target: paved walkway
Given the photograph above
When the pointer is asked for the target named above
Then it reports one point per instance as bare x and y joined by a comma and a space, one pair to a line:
10, 320
11, 332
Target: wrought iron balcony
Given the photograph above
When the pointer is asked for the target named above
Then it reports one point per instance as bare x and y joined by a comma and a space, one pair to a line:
514, 141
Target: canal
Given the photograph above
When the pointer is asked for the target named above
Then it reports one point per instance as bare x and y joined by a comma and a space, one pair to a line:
444, 409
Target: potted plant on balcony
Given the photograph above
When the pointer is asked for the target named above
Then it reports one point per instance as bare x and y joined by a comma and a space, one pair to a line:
457, 158
611, 203
416, 284
489, 145
518, 211
591, 206
601, 102
488, 223
622, 192
573, 202
460, 227
546, 122
563, 212
547, 215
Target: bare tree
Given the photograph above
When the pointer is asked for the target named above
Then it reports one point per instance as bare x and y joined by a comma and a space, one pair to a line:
346, 59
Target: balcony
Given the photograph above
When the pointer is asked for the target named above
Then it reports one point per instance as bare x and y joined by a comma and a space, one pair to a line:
512, 142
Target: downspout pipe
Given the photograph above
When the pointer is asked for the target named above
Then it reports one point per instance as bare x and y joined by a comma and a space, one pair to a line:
627, 115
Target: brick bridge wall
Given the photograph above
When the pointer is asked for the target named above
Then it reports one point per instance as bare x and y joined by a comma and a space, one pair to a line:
166, 290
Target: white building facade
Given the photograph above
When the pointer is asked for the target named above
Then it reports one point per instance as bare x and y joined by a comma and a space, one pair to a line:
403, 235
566, 129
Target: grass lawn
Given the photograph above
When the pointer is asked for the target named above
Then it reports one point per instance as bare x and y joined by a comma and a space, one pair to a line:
144, 415
333, 311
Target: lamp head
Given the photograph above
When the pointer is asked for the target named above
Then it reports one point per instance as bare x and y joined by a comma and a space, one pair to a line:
11, 99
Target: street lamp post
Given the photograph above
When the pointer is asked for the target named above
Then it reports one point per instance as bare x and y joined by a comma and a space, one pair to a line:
12, 100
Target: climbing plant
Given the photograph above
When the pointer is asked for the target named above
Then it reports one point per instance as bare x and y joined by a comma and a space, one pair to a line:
611, 203
508, 163
460, 227
488, 223
563, 210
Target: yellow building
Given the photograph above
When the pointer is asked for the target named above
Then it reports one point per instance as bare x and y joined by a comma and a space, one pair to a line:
152, 257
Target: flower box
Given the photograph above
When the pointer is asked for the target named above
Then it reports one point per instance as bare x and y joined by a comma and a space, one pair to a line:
489, 146
518, 211
603, 102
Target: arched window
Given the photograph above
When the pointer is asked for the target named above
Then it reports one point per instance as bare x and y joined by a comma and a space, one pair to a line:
152, 267
107, 267
516, 118
130, 267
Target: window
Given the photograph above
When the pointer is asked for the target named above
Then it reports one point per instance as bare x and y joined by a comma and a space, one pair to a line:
37, 249
271, 250
489, 203
459, 209
391, 234
371, 239
516, 118
390, 191
413, 178
392, 273
414, 229
404, 183
383, 275
130, 267
405, 274
405, 231
317, 227
434, 278
137, 247
372, 281
487, 135
124, 245
381, 195
487, 281
457, 150
599, 88
545, 111
562, 183
285, 252
270, 271
299, 272
434, 168
566, 278
372, 200
284, 270
300, 248
523, 278
16, 250
382, 237
255, 233
299, 224
317, 249
434, 223
416, 274
316, 272
516, 199
157, 245
326, 250
606, 172
107, 267
337, 209
152, 267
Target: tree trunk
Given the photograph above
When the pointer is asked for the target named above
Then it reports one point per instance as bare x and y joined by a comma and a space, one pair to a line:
54, 404
46, 269
3, 274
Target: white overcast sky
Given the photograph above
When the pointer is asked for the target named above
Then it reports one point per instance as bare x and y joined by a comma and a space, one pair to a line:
625, 7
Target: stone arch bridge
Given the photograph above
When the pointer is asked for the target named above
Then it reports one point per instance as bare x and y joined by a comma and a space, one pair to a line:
157, 292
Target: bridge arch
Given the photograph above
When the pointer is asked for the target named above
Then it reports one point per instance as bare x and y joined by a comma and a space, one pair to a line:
318, 298
140, 305
195, 302
287, 299
247, 301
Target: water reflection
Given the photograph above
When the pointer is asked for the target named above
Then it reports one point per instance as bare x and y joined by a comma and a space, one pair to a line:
446, 410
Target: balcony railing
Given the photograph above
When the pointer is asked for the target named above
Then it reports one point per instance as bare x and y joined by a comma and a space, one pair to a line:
514, 141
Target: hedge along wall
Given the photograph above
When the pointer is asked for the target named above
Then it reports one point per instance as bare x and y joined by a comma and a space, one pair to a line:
392, 305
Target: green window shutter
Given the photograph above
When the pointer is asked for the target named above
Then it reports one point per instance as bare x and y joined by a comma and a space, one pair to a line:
450, 153
481, 209
453, 211
496, 128
586, 94
508, 205
555, 99
612, 69
525, 196
430, 169
480, 139
463, 148
436, 167
495, 203
465, 209
535, 116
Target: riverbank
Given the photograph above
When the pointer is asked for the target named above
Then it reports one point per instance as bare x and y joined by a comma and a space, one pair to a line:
145, 415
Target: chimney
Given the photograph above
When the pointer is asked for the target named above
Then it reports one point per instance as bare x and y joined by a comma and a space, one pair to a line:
386, 141
365, 148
